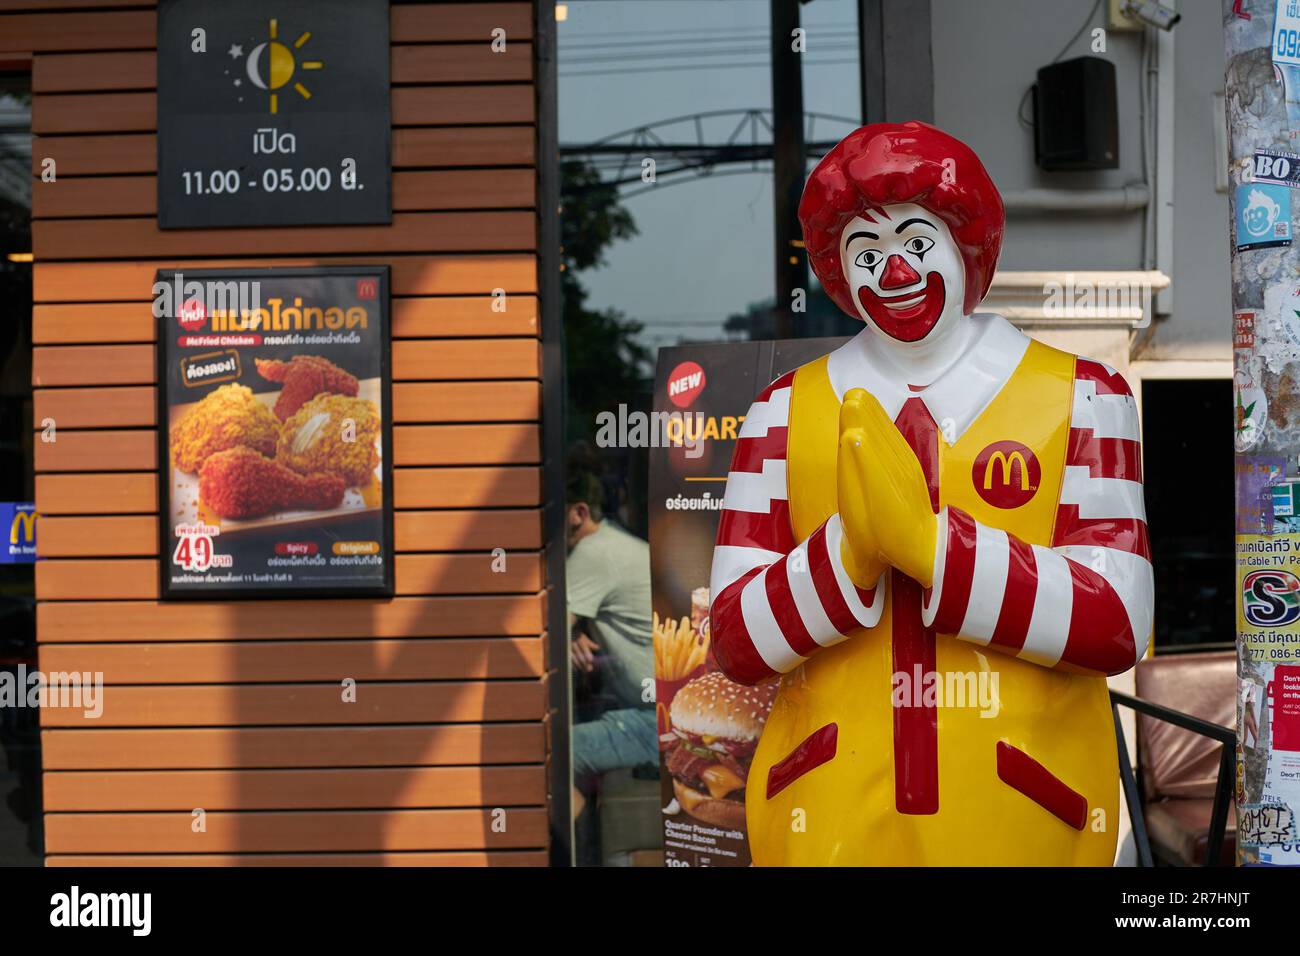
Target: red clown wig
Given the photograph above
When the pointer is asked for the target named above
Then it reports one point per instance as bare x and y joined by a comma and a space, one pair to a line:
896, 163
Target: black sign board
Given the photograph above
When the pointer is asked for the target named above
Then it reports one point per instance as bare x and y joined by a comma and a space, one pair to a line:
273, 114
275, 432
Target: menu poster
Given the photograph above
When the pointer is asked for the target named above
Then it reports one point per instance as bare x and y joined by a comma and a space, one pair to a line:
275, 433
701, 396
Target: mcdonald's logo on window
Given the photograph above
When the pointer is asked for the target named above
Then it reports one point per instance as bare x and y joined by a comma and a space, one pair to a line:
21, 520
1006, 474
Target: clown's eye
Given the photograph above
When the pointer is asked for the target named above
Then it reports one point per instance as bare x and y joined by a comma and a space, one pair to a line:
919, 246
869, 259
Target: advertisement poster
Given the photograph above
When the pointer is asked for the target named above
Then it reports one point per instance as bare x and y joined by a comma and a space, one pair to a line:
275, 434
273, 114
19, 518
708, 726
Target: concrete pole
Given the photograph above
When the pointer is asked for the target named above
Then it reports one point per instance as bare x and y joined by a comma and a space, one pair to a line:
1262, 99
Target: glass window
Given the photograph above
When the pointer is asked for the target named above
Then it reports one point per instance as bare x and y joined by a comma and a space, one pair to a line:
667, 227
21, 842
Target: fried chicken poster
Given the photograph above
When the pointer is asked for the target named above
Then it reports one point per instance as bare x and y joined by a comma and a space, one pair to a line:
274, 432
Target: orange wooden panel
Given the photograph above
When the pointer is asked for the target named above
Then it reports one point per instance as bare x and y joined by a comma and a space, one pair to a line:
487, 105
37, 32
112, 112
135, 535
464, 315
468, 573
88, 579
465, 401
100, 112
266, 662
409, 232
116, 450
73, 197
385, 702
111, 535
98, 322
416, 317
98, 155
466, 444
412, 275
380, 787
464, 146
503, 858
121, 407
95, 155
426, 22
7, 6
378, 746
93, 365
415, 360
337, 830
101, 494
461, 63
505, 487
502, 487
515, 529
115, 579
85, 72
81, 621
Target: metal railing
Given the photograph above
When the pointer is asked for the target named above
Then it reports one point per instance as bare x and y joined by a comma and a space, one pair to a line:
1133, 798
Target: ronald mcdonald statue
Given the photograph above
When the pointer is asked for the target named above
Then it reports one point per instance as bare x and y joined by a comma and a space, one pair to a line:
934, 537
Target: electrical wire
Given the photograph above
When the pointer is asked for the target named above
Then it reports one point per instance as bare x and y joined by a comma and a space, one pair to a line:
1020, 110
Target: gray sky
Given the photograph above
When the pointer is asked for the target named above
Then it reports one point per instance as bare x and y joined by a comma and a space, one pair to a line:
705, 245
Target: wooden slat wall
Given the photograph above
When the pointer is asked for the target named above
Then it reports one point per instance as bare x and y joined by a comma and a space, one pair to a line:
236, 708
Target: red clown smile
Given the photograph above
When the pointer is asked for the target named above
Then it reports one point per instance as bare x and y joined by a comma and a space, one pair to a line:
908, 317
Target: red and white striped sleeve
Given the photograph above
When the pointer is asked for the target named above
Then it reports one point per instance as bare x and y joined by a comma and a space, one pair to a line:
776, 600
1085, 603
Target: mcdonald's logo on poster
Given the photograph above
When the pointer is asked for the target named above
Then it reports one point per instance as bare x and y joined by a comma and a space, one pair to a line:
19, 519
1006, 474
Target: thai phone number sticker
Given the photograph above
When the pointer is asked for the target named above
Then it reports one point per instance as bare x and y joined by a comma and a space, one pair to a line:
1286, 33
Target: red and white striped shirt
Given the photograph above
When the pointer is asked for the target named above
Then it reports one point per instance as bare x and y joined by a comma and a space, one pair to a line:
1085, 603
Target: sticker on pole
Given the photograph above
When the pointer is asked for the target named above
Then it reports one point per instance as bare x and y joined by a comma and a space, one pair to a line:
1263, 216
1286, 33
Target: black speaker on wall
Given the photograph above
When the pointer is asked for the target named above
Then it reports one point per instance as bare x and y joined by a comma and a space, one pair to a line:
1075, 115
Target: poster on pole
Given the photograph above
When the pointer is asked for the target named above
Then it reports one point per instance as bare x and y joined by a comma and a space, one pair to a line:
708, 726
275, 433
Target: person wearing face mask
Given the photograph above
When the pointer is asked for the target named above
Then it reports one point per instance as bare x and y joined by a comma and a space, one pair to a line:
940, 502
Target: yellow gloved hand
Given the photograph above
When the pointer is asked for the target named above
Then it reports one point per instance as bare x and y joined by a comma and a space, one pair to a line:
884, 501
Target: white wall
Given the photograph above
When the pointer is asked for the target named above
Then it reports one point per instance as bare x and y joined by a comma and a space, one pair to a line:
986, 54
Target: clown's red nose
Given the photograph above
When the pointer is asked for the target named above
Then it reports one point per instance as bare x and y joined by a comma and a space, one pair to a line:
898, 274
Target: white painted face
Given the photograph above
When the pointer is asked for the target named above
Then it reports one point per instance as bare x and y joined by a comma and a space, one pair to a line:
904, 271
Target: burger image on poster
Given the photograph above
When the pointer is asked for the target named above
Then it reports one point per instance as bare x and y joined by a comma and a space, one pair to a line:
716, 724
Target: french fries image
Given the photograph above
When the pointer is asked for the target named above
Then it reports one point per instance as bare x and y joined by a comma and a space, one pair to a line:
678, 648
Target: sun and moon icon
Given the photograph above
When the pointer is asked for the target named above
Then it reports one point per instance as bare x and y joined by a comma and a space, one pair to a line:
272, 64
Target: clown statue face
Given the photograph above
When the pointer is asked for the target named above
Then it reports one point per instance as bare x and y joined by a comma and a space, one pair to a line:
904, 271
940, 503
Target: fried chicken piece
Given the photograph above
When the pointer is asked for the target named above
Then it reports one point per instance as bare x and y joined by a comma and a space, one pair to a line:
332, 433
304, 377
227, 416
243, 483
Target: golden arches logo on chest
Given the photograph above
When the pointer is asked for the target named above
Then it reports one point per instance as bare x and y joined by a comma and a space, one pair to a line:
1006, 474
